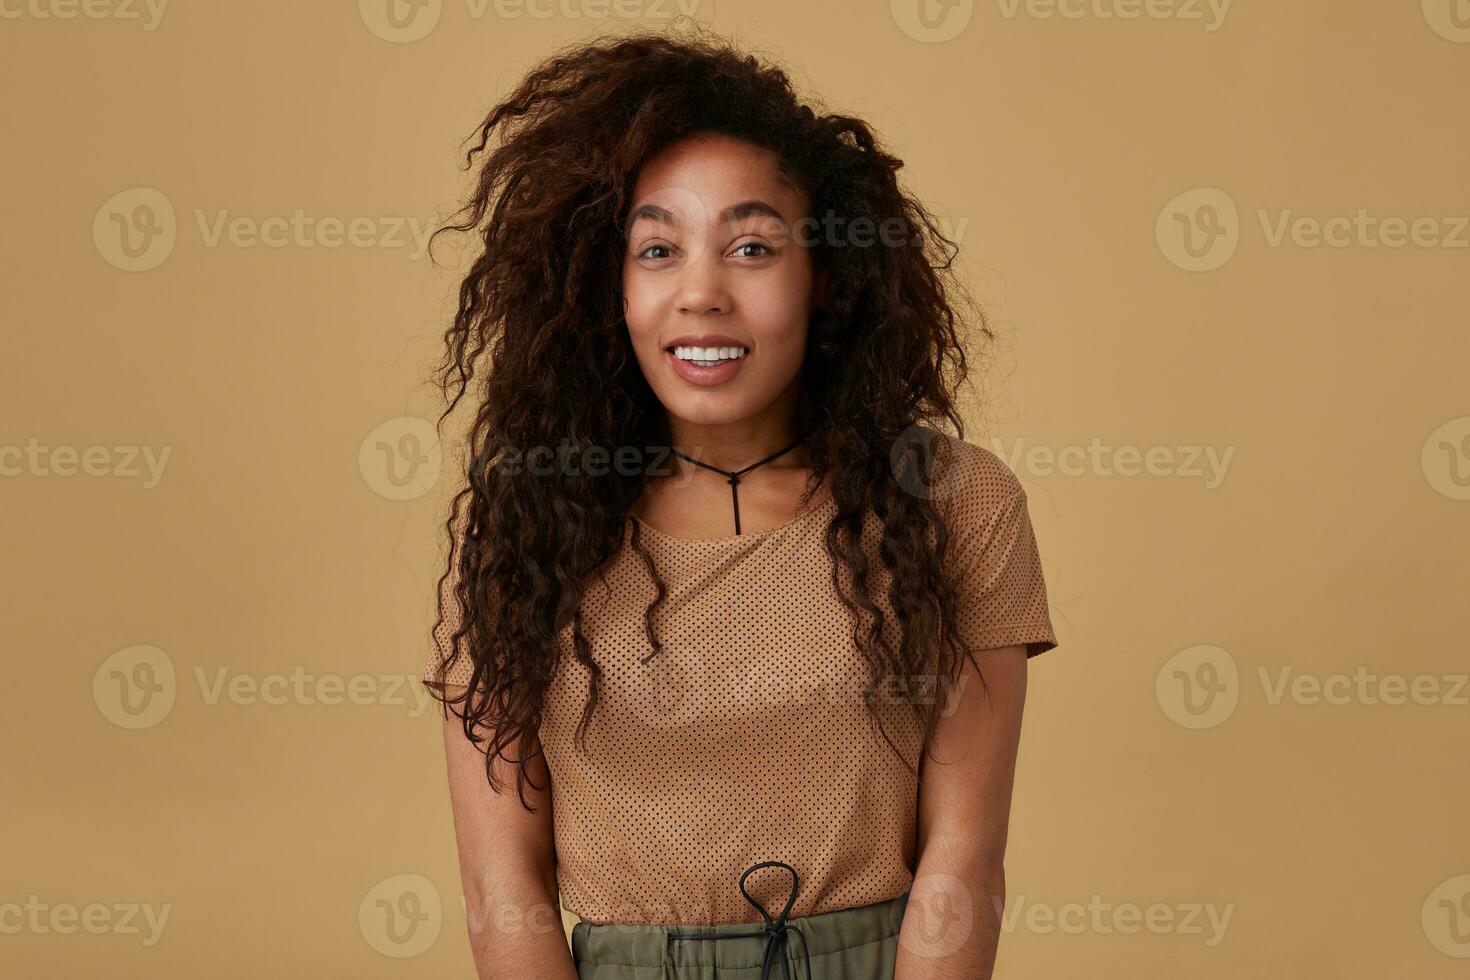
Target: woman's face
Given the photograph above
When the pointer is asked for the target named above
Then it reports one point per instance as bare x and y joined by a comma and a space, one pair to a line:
714, 262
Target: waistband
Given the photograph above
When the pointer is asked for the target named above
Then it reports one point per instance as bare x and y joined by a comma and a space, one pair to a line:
793, 943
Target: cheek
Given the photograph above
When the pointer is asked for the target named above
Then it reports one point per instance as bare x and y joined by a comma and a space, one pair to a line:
781, 307
639, 302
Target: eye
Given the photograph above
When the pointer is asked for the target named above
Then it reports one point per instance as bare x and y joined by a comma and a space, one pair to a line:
645, 253
744, 245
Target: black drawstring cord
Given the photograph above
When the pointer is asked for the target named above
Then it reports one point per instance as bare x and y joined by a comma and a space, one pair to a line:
734, 478
774, 931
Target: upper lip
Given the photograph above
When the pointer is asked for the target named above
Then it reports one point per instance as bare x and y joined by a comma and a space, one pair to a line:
706, 340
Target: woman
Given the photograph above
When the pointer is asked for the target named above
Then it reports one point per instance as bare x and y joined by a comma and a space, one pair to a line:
719, 596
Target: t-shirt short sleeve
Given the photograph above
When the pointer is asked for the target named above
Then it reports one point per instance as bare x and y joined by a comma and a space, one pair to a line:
996, 562
457, 672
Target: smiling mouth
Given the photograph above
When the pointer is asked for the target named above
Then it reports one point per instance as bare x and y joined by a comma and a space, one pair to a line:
708, 356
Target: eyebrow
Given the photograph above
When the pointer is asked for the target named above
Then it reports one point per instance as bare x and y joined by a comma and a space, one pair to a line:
734, 212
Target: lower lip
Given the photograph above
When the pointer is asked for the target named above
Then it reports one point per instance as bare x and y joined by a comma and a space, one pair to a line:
696, 375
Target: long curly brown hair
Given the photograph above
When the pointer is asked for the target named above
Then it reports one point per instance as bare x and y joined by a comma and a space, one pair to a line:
541, 310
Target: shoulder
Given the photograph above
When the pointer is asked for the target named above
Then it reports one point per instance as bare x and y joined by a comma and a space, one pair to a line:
972, 479
984, 507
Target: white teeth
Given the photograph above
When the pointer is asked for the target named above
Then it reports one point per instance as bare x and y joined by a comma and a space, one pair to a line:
709, 356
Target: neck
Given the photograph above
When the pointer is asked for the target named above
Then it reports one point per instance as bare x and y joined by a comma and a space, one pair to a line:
732, 447
735, 445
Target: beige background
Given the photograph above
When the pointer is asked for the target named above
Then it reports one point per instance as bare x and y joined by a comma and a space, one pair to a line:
295, 525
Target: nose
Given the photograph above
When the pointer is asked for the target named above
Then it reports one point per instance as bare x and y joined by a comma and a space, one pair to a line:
702, 288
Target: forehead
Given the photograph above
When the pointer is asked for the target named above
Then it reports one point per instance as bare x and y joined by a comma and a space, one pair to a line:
710, 172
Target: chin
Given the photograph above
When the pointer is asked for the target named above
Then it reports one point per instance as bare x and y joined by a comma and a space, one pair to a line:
710, 407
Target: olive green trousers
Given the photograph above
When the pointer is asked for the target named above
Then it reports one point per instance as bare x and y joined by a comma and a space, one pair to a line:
846, 944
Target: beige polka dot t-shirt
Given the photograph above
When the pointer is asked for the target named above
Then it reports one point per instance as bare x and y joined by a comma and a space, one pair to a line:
746, 738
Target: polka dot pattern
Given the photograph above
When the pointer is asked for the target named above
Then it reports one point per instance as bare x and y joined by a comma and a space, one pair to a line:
745, 738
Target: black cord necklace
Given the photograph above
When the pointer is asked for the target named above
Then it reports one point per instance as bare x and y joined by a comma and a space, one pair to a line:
733, 478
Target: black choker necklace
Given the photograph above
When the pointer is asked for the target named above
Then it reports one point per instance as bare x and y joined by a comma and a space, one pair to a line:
734, 478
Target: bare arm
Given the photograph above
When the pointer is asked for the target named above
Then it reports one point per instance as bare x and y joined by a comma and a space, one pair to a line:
952, 924
507, 865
